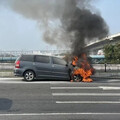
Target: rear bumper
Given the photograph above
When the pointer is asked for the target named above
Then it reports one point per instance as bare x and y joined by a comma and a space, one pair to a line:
18, 72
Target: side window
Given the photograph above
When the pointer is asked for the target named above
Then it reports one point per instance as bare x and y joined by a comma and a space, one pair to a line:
27, 58
42, 59
58, 61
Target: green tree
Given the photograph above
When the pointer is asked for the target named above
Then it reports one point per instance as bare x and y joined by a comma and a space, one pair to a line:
112, 53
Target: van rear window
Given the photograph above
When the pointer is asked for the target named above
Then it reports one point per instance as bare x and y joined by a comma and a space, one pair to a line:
27, 58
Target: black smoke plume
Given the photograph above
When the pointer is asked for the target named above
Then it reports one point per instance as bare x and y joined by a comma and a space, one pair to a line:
86, 25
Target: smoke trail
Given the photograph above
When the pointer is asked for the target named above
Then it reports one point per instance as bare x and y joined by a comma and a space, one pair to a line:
65, 22
86, 25
48, 14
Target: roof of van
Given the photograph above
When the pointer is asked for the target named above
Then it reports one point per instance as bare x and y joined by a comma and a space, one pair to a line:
43, 55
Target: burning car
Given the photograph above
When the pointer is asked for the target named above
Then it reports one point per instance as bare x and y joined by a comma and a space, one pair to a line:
82, 70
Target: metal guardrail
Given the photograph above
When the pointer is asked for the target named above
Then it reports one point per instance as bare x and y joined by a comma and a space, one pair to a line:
17, 53
11, 56
7, 59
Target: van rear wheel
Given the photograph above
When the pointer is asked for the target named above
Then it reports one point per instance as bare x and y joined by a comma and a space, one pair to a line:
29, 75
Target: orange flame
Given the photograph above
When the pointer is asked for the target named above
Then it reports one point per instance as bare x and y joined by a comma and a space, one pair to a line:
85, 70
75, 60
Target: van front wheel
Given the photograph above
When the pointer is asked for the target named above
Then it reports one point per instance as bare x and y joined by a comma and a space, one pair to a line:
29, 75
77, 78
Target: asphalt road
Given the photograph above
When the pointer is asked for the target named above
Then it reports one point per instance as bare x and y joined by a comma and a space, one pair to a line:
59, 100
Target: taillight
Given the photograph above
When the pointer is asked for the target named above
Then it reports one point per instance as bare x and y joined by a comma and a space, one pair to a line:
17, 64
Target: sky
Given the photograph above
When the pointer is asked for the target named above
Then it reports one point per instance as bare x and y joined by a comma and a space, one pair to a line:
19, 33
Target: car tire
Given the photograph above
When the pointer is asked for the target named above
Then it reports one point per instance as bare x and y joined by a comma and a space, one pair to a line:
29, 76
77, 78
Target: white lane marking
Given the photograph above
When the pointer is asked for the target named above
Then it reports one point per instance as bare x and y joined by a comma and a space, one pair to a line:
109, 88
99, 87
19, 80
54, 114
60, 88
114, 80
11, 78
22, 82
88, 102
86, 94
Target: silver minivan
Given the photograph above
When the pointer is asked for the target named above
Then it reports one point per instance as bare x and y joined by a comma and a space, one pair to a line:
41, 67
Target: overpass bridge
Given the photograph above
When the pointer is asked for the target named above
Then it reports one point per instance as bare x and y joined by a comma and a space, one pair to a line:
99, 44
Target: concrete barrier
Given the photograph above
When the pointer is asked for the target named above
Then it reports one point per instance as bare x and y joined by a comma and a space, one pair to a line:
7, 74
7, 66
109, 67
112, 70
112, 74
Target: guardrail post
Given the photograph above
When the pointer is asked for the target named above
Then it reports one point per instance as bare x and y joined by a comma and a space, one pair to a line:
105, 67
